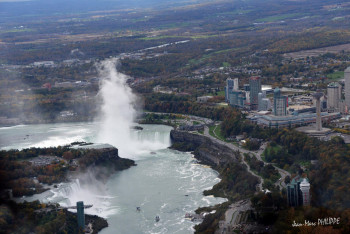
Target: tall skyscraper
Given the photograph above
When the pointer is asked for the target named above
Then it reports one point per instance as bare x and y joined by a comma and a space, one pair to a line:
80, 214
280, 103
305, 190
264, 103
235, 84
347, 87
333, 95
298, 192
318, 96
228, 88
260, 100
236, 98
255, 89
294, 195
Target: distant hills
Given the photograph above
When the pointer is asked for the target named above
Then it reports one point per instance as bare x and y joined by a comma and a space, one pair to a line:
12, 9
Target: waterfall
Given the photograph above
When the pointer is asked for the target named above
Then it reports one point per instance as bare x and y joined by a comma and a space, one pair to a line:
88, 189
118, 113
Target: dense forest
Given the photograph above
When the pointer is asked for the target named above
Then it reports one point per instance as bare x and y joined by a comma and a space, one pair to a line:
289, 149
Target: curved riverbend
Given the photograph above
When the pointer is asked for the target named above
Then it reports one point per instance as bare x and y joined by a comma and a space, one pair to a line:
165, 182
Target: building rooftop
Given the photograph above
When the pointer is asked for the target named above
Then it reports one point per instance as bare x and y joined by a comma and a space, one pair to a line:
254, 78
293, 117
333, 84
304, 183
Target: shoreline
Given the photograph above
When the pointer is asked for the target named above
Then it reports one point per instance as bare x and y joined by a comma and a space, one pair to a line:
216, 156
228, 164
48, 171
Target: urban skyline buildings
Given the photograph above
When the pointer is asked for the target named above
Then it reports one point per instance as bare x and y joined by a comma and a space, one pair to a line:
264, 104
305, 190
235, 84
280, 103
255, 89
229, 87
298, 192
318, 96
347, 87
333, 97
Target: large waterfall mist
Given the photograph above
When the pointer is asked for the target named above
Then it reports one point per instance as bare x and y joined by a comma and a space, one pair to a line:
114, 126
118, 115
117, 110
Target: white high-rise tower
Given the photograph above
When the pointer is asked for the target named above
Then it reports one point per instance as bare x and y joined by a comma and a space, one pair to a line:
305, 190
235, 84
347, 87
333, 100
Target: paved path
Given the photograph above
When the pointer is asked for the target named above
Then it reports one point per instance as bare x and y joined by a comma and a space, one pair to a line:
192, 117
235, 148
234, 215
280, 183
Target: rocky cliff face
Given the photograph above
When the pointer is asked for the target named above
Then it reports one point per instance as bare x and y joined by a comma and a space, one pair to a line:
205, 149
109, 158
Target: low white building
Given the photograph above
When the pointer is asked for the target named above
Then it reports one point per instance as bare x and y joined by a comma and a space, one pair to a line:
203, 99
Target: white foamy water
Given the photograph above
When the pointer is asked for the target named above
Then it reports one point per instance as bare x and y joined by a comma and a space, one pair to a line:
158, 184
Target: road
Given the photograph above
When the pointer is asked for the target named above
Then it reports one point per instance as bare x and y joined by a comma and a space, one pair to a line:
232, 213
280, 183
235, 148
191, 117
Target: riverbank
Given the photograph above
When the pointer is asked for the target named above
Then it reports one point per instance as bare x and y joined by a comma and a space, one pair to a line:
29, 171
236, 182
45, 121
32, 171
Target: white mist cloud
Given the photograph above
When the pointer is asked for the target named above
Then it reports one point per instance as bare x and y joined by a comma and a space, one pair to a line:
117, 110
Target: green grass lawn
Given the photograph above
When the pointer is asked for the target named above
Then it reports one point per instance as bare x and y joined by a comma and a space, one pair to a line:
211, 130
269, 149
226, 64
274, 18
16, 30
217, 131
304, 163
338, 75
221, 93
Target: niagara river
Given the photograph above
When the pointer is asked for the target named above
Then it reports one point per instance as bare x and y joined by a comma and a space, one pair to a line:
165, 182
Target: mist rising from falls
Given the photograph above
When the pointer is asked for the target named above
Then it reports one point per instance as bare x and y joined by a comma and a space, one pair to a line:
117, 111
118, 115
88, 189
